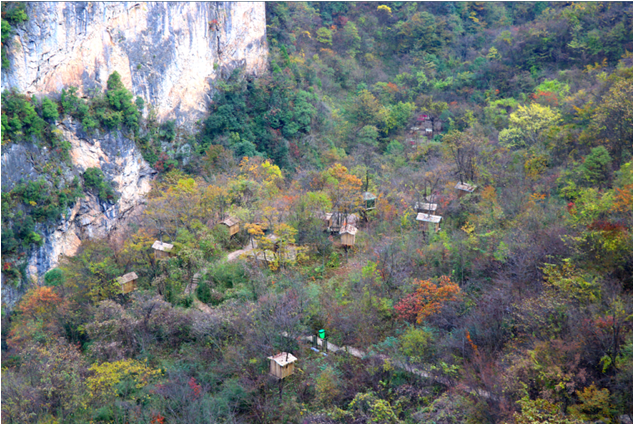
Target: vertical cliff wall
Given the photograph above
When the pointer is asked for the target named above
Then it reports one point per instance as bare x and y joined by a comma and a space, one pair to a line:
122, 165
168, 53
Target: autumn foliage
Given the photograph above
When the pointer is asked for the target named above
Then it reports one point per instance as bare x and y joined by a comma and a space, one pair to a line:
40, 302
428, 299
516, 308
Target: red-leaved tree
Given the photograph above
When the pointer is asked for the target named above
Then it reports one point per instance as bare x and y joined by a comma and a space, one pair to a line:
428, 299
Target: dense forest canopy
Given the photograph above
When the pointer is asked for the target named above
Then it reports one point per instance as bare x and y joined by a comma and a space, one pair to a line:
512, 122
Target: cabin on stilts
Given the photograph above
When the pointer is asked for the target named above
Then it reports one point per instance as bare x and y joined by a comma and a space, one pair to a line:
335, 221
162, 250
425, 207
233, 224
428, 219
282, 365
465, 188
128, 282
348, 233
369, 201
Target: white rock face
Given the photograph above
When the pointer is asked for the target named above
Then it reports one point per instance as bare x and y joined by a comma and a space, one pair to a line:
168, 53
122, 164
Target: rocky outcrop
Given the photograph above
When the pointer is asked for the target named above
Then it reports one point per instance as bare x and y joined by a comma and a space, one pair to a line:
168, 53
122, 164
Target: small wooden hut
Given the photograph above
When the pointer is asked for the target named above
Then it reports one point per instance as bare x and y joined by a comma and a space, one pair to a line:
282, 365
428, 218
335, 221
327, 219
348, 233
425, 206
370, 201
233, 224
128, 282
162, 250
465, 188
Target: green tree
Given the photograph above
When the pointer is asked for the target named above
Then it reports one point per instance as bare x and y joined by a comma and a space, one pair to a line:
416, 344
528, 126
54, 277
95, 179
120, 99
539, 411
399, 115
596, 169
612, 119
368, 136
90, 274
351, 38
324, 36
420, 34
366, 110
49, 109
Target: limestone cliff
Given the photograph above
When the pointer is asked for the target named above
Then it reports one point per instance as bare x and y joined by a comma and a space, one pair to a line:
122, 164
168, 53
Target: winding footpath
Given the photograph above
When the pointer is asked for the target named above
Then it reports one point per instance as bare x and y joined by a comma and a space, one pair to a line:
399, 364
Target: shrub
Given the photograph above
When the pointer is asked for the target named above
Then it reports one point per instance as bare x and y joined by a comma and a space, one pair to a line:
94, 179
229, 275
416, 343
324, 35
21, 118
49, 109
12, 14
9, 243
54, 277
203, 292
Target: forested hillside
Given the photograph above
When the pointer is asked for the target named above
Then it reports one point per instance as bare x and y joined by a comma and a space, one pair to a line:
445, 188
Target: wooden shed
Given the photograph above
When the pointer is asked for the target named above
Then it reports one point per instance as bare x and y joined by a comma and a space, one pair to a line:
327, 219
162, 250
348, 233
428, 218
335, 221
128, 282
425, 206
465, 188
282, 365
233, 224
370, 200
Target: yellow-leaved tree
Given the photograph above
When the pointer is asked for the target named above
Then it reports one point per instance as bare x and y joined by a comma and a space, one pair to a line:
528, 126
121, 379
343, 188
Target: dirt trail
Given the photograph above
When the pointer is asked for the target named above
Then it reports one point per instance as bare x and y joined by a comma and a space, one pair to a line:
401, 365
236, 254
203, 307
